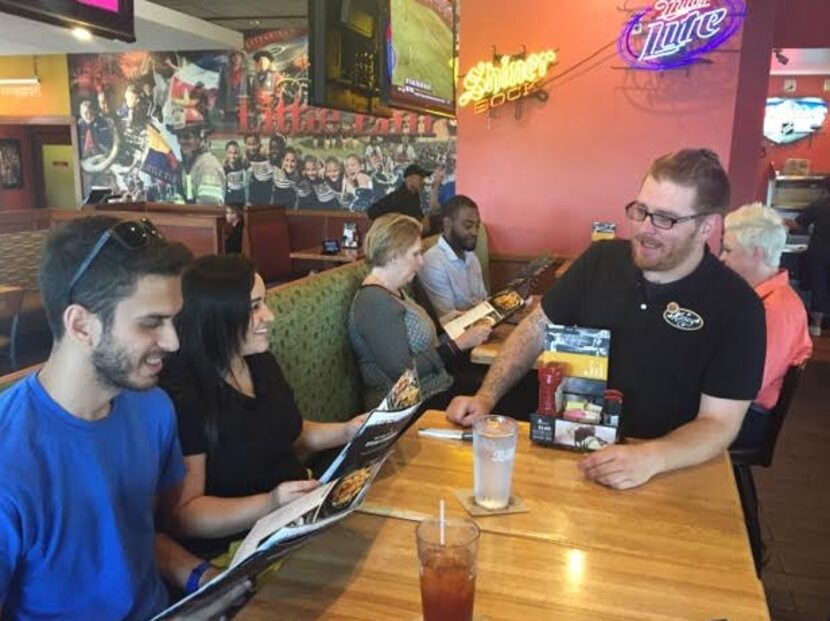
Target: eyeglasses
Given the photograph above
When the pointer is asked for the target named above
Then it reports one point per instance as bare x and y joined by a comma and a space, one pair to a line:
636, 212
132, 235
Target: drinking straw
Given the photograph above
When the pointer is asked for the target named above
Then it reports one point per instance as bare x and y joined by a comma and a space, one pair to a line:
441, 522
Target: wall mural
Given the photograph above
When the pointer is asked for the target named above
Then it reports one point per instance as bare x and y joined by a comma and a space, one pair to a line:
235, 127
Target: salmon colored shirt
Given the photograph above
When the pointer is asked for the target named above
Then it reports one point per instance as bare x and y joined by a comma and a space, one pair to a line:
788, 341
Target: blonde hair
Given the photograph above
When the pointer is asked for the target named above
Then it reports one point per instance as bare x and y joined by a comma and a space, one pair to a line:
756, 226
390, 236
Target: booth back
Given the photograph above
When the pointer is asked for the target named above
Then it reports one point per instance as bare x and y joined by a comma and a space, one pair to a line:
309, 337
20, 258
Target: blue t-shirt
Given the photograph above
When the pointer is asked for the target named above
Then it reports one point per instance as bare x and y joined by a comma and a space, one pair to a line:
446, 192
76, 505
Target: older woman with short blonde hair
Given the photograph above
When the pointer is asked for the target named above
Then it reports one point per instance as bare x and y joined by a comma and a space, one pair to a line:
389, 331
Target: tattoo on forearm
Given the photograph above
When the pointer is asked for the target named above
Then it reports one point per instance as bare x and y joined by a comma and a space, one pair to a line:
516, 357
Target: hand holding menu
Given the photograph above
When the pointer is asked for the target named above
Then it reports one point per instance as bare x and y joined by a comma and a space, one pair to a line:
493, 310
381, 428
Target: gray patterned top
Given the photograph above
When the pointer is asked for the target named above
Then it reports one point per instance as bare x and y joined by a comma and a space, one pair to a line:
387, 333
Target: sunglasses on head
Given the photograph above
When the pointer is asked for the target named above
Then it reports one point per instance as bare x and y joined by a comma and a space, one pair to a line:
131, 234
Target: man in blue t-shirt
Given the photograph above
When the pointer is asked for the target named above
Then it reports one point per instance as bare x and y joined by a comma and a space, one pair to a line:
88, 444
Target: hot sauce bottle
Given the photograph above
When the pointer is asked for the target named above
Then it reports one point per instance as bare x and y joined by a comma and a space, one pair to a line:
550, 377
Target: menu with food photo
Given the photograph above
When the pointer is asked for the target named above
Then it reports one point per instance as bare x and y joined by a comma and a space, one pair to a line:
274, 536
381, 428
493, 311
308, 514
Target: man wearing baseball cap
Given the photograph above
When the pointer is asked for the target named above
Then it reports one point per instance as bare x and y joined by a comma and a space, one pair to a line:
406, 199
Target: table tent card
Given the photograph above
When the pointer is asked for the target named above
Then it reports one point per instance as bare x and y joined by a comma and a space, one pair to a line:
586, 418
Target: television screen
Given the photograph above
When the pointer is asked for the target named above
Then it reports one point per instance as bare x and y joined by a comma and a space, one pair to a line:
788, 119
420, 44
346, 55
112, 19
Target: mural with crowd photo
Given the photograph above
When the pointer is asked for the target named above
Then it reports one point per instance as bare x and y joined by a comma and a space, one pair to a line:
235, 127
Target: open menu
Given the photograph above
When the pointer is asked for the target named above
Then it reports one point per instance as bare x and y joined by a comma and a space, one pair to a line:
381, 429
504, 304
343, 487
492, 311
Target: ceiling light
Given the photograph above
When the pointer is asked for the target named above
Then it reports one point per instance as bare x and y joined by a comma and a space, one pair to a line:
19, 81
82, 34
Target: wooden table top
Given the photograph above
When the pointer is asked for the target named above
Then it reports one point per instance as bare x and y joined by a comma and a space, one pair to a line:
314, 254
674, 549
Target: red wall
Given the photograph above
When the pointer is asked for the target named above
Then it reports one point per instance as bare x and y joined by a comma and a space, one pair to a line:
816, 148
542, 179
802, 23
24, 197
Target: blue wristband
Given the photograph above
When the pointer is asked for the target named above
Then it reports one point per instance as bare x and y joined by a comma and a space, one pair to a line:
193, 579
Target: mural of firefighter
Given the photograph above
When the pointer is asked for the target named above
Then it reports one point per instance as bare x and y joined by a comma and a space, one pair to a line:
216, 127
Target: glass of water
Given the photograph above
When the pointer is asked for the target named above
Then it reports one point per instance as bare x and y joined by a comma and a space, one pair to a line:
494, 451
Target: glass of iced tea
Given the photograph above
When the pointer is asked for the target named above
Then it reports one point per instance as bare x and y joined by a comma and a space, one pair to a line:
448, 568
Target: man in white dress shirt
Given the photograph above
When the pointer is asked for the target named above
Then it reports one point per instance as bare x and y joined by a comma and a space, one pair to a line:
451, 274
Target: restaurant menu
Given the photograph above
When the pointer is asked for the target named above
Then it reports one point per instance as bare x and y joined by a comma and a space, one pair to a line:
343, 487
491, 311
381, 429
504, 304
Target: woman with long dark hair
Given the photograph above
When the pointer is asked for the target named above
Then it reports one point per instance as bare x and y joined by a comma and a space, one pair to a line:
239, 426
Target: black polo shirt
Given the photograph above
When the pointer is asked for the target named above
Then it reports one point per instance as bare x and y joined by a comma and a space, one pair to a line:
402, 200
704, 333
817, 214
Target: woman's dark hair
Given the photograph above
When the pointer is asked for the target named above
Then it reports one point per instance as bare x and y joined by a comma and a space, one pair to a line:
212, 324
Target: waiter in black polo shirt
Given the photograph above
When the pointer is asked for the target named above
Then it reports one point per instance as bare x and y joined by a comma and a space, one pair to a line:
406, 199
687, 334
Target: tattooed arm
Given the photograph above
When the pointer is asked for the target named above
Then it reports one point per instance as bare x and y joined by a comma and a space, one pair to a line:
516, 357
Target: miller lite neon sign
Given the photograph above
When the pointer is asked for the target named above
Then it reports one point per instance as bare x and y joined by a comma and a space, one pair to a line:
489, 85
675, 33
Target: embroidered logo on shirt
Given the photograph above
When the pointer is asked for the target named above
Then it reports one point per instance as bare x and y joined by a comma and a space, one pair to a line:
682, 318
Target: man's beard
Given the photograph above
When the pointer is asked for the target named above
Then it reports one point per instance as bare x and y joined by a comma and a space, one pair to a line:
461, 242
669, 261
113, 365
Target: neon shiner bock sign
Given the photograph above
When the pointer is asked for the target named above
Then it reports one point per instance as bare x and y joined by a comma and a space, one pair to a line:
489, 85
675, 33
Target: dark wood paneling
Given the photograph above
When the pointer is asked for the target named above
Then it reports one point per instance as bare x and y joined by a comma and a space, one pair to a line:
24, 220
178, 208
308, 228
203, 234
265, 239
505, 267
